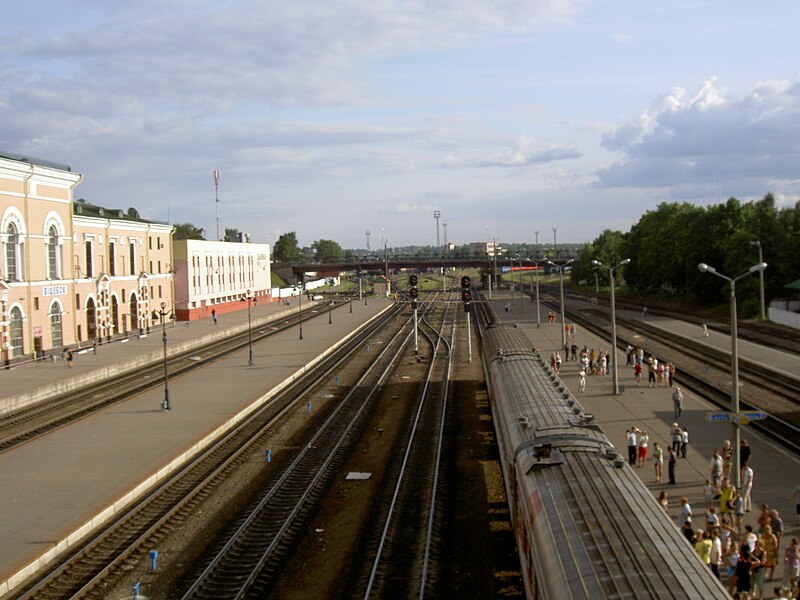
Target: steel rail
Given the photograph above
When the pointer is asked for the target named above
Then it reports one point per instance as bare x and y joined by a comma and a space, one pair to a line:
177, 492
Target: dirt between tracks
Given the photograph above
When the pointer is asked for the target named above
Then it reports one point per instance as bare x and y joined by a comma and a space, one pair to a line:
476, 557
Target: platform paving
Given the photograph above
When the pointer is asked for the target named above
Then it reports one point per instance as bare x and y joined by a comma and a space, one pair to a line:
776, 471
54, 486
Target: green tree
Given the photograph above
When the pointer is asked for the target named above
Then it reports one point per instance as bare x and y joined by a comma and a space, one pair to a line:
187, 231
327, 251
286, 248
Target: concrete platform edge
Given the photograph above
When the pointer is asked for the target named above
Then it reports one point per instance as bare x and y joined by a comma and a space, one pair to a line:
40, 393
174, 465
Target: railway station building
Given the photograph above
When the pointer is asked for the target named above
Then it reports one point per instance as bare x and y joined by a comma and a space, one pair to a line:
71, 272
219, 276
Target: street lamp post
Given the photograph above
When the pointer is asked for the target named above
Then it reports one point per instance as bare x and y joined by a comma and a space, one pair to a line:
734, 360
612, 273
330, 312
761, 279
537, 262
300, 296
248, 297
563, 321
162, 314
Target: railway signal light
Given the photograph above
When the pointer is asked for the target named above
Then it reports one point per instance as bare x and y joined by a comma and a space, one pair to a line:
412, 280
413, 292
466, 296
465, 282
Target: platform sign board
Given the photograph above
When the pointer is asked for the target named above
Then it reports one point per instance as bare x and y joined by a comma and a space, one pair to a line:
755, 416
721, 417
739, 419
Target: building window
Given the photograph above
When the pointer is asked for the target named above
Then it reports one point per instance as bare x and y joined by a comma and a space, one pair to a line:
16, 332
112, 267
13, 253
55, 325
132, 257
53, 254
89, 272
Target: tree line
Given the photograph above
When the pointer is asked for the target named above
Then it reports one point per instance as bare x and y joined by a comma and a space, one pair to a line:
666, 245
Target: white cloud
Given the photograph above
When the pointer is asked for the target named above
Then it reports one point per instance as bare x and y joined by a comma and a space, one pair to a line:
694, 140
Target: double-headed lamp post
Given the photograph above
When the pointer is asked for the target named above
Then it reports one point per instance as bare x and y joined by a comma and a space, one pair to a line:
162, 315
563, 318
734, 360
300, 296
611, 272
248, 297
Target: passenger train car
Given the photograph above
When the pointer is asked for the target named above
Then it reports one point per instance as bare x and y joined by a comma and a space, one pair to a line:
586, 526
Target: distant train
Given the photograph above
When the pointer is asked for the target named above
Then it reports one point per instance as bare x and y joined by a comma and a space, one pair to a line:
586, 526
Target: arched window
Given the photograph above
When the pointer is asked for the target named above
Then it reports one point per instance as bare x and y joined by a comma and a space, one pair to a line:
55, 326
16, 332
13, 254
53, 254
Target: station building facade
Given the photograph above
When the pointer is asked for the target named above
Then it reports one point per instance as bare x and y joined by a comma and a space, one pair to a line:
219, 276
72, 272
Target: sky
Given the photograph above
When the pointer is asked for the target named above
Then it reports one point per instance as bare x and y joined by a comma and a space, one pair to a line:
334, 118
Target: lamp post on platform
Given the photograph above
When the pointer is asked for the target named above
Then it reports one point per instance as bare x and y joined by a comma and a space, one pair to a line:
248, 297
612, 273
300, 296
734, 360
761, 279
161, 315
563, 318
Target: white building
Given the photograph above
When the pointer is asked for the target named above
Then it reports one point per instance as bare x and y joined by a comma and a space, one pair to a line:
212, 275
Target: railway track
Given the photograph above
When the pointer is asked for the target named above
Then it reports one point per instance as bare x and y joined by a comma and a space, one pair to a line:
27, 423
85, 570
706, 370
247, 563
405, 553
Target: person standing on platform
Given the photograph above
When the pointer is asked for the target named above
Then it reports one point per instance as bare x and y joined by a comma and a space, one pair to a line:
69, 358
632, 445
684, 442
677, 437
791, 562
747, 486
214, 315
582, 384
796, 497
727, 458
637, 373
658, 461
677, 402
685, 512
715, 470
744, 453
671, 466
716, 552
629, 356
642, 451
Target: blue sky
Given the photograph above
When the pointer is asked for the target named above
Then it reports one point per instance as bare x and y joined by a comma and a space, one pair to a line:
331, 118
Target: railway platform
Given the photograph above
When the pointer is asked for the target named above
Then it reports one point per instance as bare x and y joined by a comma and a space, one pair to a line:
54, 488
776, 471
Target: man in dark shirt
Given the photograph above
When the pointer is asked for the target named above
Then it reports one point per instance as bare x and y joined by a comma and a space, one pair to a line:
744, 453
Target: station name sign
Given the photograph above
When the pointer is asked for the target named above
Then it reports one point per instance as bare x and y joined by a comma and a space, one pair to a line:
54, 290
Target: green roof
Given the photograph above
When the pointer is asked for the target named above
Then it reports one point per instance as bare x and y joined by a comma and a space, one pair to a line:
87, 209
35, 161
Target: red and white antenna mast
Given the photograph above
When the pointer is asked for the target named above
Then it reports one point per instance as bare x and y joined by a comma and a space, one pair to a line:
216, 197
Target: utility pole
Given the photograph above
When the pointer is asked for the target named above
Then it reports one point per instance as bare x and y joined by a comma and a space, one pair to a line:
436, 215
216, 197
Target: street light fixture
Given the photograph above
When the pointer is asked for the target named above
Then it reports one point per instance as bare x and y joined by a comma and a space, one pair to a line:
563, 322
611, 272
248, 297
162, 314
704, 268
